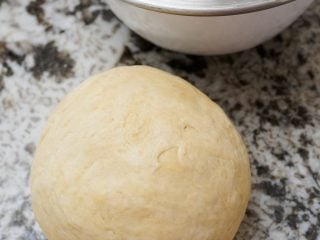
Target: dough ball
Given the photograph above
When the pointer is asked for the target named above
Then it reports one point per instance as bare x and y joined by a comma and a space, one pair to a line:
139, 154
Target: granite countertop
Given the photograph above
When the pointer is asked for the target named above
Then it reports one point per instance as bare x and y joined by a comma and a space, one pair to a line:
272, 93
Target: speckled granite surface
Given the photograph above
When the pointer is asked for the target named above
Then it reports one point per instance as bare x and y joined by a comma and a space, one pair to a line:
272, 93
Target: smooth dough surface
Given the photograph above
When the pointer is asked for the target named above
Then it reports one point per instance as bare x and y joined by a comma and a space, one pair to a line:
139, 154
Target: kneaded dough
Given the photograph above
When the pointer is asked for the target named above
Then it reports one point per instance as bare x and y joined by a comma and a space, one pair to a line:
139, 154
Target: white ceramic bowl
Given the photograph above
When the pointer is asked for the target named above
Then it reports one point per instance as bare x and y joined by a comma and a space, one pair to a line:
208, 27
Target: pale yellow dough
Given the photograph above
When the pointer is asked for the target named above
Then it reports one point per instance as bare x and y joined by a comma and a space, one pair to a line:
139, 154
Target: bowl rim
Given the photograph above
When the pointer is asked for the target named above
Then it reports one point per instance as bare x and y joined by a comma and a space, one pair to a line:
207, 7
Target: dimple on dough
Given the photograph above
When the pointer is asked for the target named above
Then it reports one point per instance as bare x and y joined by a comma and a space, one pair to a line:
139, 154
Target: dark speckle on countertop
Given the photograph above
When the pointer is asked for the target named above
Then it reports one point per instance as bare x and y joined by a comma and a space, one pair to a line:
278, 213
7, 55
49, 59
35, 8
88, 16
276, 190
271, 93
